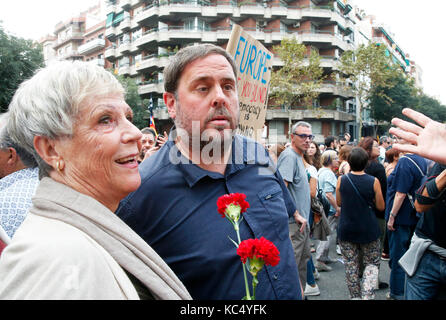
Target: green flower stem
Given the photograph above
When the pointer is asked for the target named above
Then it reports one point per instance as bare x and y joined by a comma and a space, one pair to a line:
255, 282
248, 295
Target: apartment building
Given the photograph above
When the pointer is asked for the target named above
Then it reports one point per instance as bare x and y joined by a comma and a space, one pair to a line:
81, 37
144, 33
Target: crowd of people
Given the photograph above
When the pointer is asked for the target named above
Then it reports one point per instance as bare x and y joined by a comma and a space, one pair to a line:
374, 188
123, 213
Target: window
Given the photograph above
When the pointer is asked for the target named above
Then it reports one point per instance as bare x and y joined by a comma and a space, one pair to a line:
196, 24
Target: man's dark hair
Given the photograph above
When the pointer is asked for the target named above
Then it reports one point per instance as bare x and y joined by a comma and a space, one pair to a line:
172, 73
147, 130
329, 140
358, 159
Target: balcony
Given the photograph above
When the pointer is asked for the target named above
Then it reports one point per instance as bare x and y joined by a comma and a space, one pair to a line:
147, 14
110, 32
302, 113
146, 88
252, 9
336, 89
75, 36
110, 53
152, 62
124, 48
127, 70
92, 46
98, 62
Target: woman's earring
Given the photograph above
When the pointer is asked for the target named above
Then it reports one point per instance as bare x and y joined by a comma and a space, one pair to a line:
58, 166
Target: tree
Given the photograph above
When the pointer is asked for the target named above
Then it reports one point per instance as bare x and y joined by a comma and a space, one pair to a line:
388, 102
364, 71
19, 59
298, 80
133, 99
431, 107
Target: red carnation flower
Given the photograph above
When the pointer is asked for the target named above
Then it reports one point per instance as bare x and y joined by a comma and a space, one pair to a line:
236, 199
259, 249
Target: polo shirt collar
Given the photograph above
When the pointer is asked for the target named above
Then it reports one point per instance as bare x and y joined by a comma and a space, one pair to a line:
244, 152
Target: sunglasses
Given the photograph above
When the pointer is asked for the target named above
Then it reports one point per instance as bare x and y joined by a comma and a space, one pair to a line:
305, 136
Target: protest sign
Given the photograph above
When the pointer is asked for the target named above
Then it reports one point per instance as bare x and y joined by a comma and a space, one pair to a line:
254, 65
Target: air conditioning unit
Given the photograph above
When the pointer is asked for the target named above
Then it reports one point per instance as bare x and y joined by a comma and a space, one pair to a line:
296, 25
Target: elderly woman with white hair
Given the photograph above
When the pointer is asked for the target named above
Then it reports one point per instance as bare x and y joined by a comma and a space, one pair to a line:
73, 118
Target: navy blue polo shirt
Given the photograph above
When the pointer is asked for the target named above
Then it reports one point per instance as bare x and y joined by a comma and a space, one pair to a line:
405, 178
175, 211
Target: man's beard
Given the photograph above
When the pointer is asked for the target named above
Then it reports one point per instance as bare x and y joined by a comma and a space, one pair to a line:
211, 141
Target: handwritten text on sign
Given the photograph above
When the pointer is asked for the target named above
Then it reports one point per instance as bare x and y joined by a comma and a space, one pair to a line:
253, 63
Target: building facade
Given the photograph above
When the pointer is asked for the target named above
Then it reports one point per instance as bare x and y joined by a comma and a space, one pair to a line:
81, 37
143, 34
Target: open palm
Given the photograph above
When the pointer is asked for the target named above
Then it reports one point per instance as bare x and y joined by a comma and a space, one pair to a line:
428, 141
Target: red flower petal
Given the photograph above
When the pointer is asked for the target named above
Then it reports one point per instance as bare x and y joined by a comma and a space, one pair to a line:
233, 198
261, 249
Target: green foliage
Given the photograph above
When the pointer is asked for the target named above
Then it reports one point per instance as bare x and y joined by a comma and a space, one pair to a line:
132, 98
300, 78
19, 59
366, 71
388, 102
431, 107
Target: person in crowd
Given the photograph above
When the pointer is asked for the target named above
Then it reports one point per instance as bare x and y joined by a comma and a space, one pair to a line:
311, 159
72, 117
347, 137
357, 193
426, 140
358, 232
344, 152
392, 157
376, 169
313, 156
151, 143
400, 214
327, 182
275, 150
342, 142
292, 169
384, 145
330, 143
425, 260
322, 148
19, 179
148, 144
175, 208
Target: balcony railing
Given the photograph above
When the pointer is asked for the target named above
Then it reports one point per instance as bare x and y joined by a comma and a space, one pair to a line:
91, 46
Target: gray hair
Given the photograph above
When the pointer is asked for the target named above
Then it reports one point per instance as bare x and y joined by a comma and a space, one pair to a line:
173, 71
6, 142
300, 124
383, 139
48, 103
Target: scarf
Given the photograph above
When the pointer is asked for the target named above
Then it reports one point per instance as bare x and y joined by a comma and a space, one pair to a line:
57, 201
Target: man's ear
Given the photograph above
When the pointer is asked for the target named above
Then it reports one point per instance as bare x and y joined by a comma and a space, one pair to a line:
12, 158
46, 149
170, 102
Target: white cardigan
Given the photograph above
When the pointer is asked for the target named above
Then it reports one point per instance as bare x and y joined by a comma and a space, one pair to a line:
50, 259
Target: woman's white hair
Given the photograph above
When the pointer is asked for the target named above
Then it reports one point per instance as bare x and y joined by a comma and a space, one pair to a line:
48, 103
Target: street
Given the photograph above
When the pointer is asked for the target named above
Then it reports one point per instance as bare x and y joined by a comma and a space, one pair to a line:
333, 286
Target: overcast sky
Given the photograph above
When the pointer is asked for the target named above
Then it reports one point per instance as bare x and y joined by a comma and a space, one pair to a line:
419, 28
